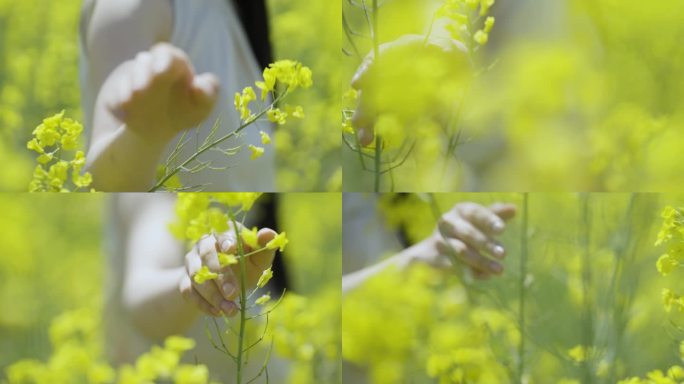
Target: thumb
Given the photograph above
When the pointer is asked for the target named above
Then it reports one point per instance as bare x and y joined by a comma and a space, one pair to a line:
505, 211
363, 122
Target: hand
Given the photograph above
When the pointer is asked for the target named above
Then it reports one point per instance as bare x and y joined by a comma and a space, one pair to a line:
216, 296
157, 94
406, 59
468, 232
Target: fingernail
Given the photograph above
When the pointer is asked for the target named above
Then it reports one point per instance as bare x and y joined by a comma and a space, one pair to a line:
496, 267
225, 245
228, 289
497, 226
498, 251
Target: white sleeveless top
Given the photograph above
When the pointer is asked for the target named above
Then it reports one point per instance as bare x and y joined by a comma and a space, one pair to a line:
210, 32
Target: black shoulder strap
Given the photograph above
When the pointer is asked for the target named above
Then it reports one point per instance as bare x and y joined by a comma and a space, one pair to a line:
254, 17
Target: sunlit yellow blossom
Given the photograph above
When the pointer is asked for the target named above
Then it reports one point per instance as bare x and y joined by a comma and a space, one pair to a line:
242, 101
35, 146
578, 353
298, 112
666, 264
289, 72
179, 343
265, 277
226, 259
279, 241
275, 115
250, 237
191, 374
671, 299
489, 24
481, 37
45, 158
263, 299
265, 138
204, 274
257, 152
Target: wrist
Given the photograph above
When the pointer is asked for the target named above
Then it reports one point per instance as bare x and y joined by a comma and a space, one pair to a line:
148, 138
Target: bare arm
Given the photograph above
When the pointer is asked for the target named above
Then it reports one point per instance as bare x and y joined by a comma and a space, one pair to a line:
468, 230
154, 266
147, 91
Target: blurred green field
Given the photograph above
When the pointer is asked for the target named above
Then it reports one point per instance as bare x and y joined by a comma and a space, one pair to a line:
566, 95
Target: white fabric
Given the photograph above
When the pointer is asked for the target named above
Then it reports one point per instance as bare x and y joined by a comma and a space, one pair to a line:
212, 36
365, 237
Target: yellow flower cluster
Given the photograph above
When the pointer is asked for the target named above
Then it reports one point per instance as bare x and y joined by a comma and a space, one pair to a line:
444, 338
199, 214
290, 73
466, 18
52, 139
306, 331
671, 234
77, 358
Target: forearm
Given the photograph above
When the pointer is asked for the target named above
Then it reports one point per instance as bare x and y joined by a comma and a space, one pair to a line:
122, 161
399, 261
155, 304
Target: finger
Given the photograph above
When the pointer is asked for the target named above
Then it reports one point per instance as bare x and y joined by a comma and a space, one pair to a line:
171, 64
504, 210
260, 261
483, 218
226, 282
142, 72
229, 281
208, 253
363, 122
210, 292
480, 275
469, 256
454, 226
207, 290
193, 262
226, 241
188, 293
204, 89
264, 259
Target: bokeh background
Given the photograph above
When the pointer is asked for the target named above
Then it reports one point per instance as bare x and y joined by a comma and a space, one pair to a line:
578, 95
39, 77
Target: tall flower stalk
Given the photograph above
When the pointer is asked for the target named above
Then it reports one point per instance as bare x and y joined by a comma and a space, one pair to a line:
215, 213
522, 289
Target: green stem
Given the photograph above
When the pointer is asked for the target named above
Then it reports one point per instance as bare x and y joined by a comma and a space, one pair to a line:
376, 57
213, 144
587, 323
377, 158
521, 289
243, 303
